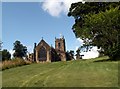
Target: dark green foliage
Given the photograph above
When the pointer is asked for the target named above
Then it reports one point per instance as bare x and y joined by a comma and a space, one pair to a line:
78, 10
6, 55
81, 49
0, 55
78, 54
104, 30
70, 55
20, 50
0, 51
98, 25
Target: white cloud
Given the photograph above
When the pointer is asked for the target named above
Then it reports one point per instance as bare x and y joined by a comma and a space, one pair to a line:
87, 55
78, 40
30, 49
55, 7
90, 54
78, 43
11, 52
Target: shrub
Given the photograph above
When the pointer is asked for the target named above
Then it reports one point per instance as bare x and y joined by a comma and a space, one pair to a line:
13, 63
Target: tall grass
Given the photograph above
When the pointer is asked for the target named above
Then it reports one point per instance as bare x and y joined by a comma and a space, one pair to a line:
13, 63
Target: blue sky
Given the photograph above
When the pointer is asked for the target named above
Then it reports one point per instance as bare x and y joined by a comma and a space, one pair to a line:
28, 22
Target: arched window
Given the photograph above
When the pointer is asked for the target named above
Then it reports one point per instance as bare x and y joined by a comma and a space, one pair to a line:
59, 45
42, 54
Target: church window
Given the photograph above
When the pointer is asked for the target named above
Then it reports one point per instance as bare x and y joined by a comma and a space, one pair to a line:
59, 45
42, 54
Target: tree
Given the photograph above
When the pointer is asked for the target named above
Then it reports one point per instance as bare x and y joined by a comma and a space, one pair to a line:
20, 50
105, 29
0, 55
0, 51
5, 55
78, 54
99, 25
70, 55
81, 49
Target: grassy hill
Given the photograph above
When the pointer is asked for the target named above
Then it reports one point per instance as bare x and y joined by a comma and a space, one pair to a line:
79, 73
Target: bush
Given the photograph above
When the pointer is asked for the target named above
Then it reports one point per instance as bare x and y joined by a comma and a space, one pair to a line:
6, 55
13, 63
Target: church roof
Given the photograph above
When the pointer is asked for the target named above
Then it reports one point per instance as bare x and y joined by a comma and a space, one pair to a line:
42, 43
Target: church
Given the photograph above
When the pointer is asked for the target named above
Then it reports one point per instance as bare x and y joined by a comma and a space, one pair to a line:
43, 52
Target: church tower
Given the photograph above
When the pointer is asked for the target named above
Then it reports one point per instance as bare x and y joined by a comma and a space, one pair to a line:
60, 48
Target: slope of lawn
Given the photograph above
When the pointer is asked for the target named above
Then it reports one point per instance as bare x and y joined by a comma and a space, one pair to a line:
79, 73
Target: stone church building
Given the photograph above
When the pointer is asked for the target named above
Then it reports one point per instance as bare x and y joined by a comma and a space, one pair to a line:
45, 53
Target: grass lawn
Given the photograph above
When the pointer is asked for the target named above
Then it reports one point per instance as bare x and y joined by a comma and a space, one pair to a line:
79, 73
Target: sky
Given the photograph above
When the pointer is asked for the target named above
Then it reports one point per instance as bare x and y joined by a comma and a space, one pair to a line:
28, 22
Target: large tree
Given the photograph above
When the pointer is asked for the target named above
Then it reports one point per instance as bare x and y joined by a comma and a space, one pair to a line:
20, 50
98, 25
5, 55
